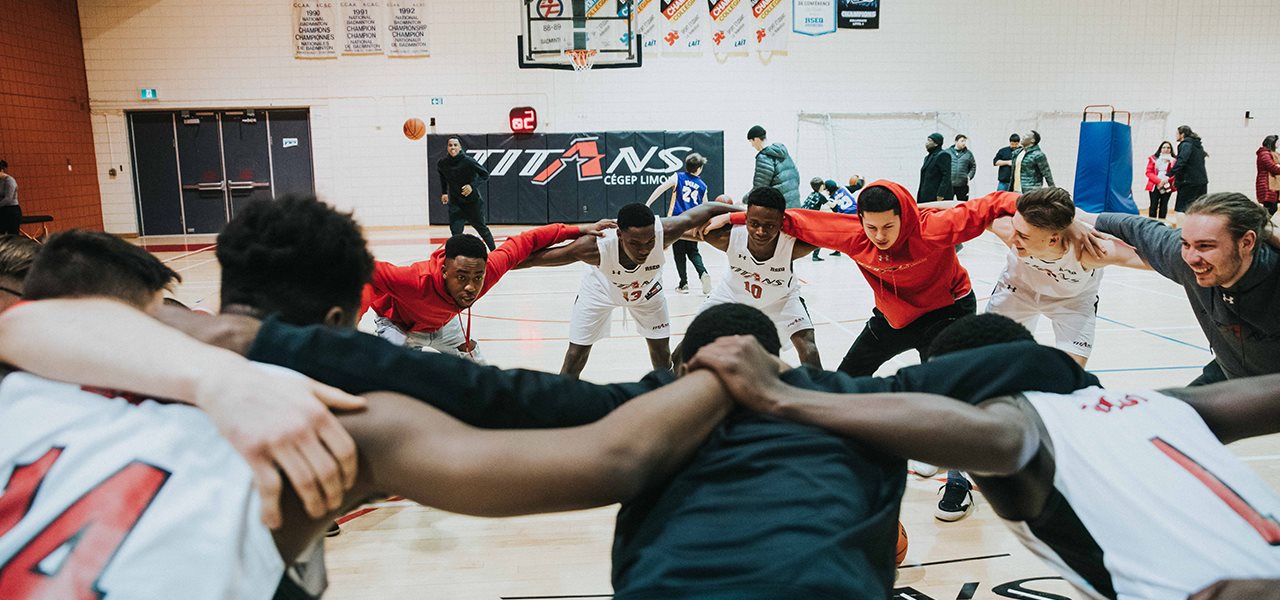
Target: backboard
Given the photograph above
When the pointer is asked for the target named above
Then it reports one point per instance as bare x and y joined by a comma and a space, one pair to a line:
549, 28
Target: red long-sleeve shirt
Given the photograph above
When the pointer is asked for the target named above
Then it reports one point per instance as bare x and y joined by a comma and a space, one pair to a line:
920, 272
413, 296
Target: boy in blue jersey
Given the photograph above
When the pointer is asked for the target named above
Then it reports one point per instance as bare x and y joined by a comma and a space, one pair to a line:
816, 201
687, 191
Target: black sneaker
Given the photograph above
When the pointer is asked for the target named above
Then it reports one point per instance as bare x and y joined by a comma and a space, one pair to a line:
332, 530
817, 258
956, 502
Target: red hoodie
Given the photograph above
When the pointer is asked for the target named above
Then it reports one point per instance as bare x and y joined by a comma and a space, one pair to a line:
920, 272
414, 297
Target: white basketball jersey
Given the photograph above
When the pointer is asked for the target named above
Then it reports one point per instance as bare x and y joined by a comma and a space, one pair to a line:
1062, 278
104, 498
1170, 508
622, 285
753, 282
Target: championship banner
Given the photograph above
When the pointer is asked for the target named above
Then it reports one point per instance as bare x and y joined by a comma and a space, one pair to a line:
859, 14
314, 34
814, 17
729, 31
684, 26
610, 33
646, 23
362, 26
575, 177
772, 25
407, 28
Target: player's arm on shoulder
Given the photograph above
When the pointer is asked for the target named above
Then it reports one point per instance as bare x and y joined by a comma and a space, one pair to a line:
802, 248
412, 449
694, 218
1237, 409
716, 233
583, 249
1115, 253
994, 439
278, 422
1003, 228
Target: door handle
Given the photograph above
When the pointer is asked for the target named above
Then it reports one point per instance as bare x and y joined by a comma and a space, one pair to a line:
247, 185
215, 186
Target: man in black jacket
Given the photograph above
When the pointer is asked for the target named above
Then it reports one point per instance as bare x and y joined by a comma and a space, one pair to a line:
1188, 171
935, 174
459, 174
1004, 160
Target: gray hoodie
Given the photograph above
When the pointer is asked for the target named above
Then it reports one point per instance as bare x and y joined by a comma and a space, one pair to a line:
1242, 322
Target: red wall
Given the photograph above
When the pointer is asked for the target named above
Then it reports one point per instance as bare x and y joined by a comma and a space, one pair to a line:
44, 112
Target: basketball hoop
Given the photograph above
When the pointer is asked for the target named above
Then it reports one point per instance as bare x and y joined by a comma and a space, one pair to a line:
581, 59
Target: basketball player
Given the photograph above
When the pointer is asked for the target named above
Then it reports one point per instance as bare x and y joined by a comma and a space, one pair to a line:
144, 499
907, 255
687, 191
16, 254
760, 272
1045, 276
1224, 259
420, 305
626, 272
1082, 478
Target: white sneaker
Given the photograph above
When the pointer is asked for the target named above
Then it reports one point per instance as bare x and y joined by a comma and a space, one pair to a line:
684, 289
956, 502
706, 283
921, 469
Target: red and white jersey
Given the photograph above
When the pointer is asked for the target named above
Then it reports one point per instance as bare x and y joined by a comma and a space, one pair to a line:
1036, 278
1148, 503
623, 286
106, 498
753, 282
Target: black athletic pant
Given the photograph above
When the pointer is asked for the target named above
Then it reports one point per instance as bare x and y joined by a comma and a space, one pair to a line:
10, 220
1212, 373
1159, 207
1188, 194
687, 249
1271, 208
961, 192
462, 213
880, 342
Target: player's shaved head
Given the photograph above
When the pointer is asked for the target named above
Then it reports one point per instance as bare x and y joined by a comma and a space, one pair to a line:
729, 319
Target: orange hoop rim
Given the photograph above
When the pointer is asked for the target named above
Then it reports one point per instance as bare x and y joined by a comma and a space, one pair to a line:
581, 59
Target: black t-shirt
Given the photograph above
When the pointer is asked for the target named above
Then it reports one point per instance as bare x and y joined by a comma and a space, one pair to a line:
765, 509
1004, 174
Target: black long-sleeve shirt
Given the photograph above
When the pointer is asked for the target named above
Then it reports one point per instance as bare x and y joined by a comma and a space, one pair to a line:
457, 171
766, 509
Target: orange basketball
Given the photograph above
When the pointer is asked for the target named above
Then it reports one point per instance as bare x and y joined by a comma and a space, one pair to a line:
414, 128
724, 199
855, 181
902, 544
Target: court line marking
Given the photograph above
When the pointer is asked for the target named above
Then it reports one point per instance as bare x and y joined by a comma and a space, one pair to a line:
1154, 334
201, 263
1260, 458
182, 256
954, 560
1132, 369
555, 597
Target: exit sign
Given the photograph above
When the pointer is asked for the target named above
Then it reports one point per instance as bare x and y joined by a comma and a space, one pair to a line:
148, 93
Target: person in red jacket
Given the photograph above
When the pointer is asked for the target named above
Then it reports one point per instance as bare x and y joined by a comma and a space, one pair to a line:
908, 256
1268, 166
1160, 184
418, 305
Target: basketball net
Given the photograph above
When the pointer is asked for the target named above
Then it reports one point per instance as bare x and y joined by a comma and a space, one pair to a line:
581, 59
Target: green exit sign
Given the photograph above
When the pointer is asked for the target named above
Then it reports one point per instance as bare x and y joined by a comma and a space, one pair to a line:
148, 93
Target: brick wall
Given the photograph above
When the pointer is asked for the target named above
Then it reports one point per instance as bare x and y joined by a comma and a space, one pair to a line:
45, 129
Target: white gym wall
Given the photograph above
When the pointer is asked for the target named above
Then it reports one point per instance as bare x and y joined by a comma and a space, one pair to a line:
868, 98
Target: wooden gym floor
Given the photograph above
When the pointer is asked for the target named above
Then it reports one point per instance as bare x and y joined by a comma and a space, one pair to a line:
1146, 338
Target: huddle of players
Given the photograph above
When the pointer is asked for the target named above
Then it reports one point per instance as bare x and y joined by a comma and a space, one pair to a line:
1037, 456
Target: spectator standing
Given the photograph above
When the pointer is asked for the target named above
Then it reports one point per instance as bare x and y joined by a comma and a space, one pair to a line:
1268, 183
1031, 166
963, 167
816, 201
10, 213
1189, 171
459, 174
774, 167
1160, 184
1004, 160
935, 173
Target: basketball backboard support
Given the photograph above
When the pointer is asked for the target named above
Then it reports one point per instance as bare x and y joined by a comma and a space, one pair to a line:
552, 27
